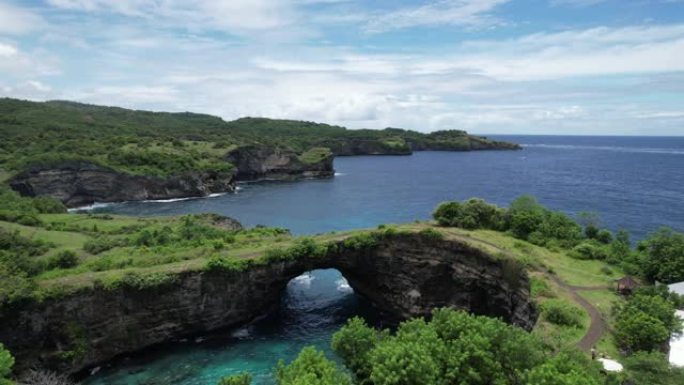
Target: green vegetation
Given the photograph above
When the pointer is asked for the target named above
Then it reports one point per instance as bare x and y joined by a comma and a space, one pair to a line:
652, 368
561, 312
238, 379
660, 257
453, 347
645, 322
311, 367
6, 364
62, 253
164, 144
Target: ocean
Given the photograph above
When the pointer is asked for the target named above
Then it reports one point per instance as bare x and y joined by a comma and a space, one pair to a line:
633, 183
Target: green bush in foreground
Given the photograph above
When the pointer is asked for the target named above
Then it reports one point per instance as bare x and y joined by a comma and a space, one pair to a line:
6, 364
646, 322
561, 312
311, 367
455, 347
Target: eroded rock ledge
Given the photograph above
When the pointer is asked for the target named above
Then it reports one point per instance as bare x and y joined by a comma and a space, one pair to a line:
80, 183
405, 275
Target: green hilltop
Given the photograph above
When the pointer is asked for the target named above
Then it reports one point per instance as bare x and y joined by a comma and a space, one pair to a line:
163, 144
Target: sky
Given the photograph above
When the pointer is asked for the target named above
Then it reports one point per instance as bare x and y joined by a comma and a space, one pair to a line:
580, 67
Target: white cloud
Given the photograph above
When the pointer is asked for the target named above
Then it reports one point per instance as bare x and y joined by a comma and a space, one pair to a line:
226, 15
576, 3
7, 50
467, 13
17, 21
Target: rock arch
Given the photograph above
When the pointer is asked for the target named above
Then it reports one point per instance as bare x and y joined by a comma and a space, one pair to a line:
405, 275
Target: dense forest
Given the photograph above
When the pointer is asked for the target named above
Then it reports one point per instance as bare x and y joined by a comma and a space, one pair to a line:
161, 143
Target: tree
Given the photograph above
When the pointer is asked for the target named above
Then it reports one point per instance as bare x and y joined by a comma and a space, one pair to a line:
311, 367
636, 330
662, 256
6, 364
591, 222
353, 342
652, 368
471, 214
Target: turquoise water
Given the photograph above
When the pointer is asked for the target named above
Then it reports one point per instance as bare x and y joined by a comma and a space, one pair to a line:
634, 183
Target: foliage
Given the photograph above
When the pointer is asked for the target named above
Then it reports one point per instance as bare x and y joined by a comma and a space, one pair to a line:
662, 256
138, 281
237, 379
65, 259
100, 244
353, 343
311, 367
525, 219
471, 214
564, 369
6, 364
455, 347
645, 322
163, 144
652, 368
561, 312
590, 249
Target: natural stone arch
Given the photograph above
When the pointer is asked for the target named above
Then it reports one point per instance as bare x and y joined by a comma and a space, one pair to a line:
405, 275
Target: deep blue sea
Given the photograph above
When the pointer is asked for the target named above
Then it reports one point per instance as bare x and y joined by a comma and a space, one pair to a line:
635, 183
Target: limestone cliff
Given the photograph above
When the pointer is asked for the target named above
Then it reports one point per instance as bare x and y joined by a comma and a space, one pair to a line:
270, 163
79, 183
402, 274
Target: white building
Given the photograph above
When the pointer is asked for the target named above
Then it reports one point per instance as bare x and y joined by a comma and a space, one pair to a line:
677, 344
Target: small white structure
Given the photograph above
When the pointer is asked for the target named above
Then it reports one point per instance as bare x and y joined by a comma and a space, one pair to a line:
677, 346
677, 288
610, 365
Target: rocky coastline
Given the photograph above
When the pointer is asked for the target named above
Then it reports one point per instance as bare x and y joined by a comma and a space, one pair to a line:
404, 275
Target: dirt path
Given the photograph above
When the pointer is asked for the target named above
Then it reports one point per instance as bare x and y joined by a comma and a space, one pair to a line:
597, 327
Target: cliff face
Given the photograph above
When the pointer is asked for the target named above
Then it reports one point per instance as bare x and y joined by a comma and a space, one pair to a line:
81, 183
405, 275
268, 163
351, 147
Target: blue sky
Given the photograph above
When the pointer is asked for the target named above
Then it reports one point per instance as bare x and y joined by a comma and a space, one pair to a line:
602, 67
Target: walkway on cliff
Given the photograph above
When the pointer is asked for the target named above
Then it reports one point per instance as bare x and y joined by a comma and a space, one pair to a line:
598, 325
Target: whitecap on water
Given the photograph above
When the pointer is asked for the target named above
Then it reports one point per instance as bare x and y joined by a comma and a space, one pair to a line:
343, 286
241, 333
90, 207
303, 280
340, 174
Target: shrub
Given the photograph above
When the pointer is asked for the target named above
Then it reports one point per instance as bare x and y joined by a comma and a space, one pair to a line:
540, 288
237, 379
604, 236
65, 259
6, 364
431, 234
561, 312
310, 367
49, 205
590, 250
99, 245
471, 214
141, 281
